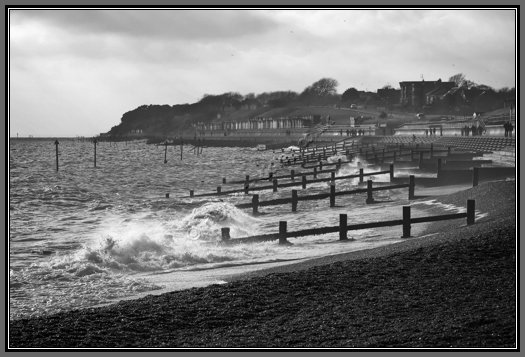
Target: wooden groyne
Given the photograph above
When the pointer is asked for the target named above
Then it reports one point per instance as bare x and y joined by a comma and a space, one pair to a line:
343, 228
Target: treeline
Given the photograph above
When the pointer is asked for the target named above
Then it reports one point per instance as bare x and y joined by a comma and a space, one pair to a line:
174, 119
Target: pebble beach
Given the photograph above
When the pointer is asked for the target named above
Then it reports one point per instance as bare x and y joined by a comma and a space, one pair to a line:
452, 287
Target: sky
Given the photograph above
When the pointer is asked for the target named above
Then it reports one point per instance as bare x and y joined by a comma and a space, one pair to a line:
75, 72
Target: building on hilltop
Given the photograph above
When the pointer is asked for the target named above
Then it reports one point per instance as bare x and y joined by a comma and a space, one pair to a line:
414, 93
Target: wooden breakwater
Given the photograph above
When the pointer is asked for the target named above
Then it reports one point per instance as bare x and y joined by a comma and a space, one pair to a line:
343, 228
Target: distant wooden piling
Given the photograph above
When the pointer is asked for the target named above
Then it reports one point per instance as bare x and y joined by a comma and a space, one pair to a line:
332, 195
282, 232
471, 212
181, 143
274, 185
315, 172
369, 197
292, 174
219, 189
304, 181
391, 172
225, 232
406, 222
95, 153
255, 204
191, 193
56, 146
411, 187
361, 175
343, 224
166, 151
294, 200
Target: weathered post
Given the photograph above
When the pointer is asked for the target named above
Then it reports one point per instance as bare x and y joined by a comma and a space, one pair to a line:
247, 178
369, 198
56, 146
343, 224
391, 172
411, 187
315, 172
471, 212
292, 174
304, 181
181, 147
255, 204
191, 193
332, 176
282, 232
475, 176
167, 195
225, 232
332, 195
224, 180
246, 187
165, 151
219, 190
294, 200
361, 175
406, 222
274, 185
95, 153
320, 166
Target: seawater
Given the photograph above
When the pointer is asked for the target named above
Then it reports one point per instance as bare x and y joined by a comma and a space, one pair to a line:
85, 236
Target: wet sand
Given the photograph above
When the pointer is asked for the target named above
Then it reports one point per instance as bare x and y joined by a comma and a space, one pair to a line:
453, 287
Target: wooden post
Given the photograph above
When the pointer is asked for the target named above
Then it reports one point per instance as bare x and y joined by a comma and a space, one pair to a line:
343, 224
369, 198
411, 187
95, 152
181, 147
391, 172
360, 175
191, 193
224, 180
320, 166
282, 232
274, 185
56, 146
315, 172
225, 232
475, 176
406, 222
255, 204
332, 195
294, 200
246, 187
292, 174
471, 212
304, 181
219, 190
332, 176
167, 195
247, 178
165, 151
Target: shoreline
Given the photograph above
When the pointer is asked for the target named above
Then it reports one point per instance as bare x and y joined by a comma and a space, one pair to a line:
254, 308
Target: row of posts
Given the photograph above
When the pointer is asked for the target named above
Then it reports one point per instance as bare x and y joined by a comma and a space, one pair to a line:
343, 224
95, 142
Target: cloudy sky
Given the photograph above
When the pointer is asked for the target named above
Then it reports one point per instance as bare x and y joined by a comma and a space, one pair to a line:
75, 72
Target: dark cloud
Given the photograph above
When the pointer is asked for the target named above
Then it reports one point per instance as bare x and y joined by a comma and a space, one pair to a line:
171, 23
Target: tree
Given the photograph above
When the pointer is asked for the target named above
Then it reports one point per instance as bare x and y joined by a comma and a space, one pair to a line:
322, 88
461, 81
350, 95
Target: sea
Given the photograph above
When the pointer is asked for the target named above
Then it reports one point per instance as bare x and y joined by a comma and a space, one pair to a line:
85, 236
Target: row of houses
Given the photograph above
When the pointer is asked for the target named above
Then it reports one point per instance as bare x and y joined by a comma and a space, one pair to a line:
258, 123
